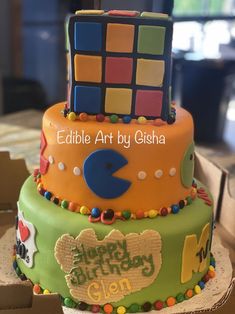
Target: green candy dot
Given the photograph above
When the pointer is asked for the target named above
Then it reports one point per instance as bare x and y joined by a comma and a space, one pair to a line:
126, 214
180, 297
69, 303
134, 308
64, 204
187, 166
113, 118
189, 200
18, 271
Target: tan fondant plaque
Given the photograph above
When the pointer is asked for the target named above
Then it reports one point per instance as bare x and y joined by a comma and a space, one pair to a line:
101, 271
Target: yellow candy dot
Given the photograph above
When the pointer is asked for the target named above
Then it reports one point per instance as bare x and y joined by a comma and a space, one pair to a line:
46, 291
152, 213
72, 116
121, 310
142, 120
211, 268
39, 186
84, 210
197, 289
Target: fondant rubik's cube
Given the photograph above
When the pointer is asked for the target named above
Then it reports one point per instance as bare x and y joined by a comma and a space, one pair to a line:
120, 63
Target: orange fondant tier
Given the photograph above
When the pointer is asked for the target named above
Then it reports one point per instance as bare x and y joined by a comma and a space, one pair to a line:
154, 175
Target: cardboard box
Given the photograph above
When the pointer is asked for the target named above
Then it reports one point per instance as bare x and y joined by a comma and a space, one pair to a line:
17, 298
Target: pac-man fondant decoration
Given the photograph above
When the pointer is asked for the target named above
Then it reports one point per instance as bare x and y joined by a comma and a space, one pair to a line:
187, 166
99, 168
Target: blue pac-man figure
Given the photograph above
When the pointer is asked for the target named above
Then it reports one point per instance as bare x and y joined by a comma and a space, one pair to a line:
99, 168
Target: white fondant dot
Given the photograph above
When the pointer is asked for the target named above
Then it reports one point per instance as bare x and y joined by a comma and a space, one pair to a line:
172, 172
51, 159
61, 166
142, 175
76, 171
158, 173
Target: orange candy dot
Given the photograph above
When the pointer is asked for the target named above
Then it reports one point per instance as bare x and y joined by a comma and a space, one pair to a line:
83, 116
37, 289
108, 308
189, 293
139, 214
211, 274
72, 206
170, 301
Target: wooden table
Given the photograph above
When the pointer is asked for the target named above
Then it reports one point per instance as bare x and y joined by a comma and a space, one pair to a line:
20, 134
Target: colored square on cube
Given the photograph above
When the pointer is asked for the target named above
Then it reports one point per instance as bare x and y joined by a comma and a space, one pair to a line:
120, 37
148, 103
87, 99
151, 39
88, 36
118, 100
118, 70
88, 68
150, 72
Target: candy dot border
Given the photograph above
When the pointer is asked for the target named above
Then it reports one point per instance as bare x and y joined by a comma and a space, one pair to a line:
121, 309
125, 214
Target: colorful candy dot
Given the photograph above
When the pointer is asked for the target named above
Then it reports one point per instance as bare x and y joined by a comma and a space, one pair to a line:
18, 271
95, 308
139, 214
206, 278
126, 214
108, 214
82, 306
37, 289
83, 116
175, 209
47, 195
56, 201
152, 213
142, 120
108, 308
180, 297
100, 117
84, 210
189, 293
201, 284
189, 200
64, 204
23, 277
211, 274
72, 116
121, 310
146, 307
69, 303
42, 191
15, 265
113, 118
170, 301
158, 305
95, 212
163, 211
212, 268
46, 291
126, 119
72, 206
197, 289
134, 308
181, 204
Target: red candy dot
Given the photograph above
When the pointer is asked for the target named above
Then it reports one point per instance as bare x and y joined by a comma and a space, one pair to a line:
158, 305
100, 117
95, 308
139, 214
37, 289
206, 278
164, 211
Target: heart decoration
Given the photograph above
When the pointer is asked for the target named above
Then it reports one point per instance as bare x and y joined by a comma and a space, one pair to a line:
24, 231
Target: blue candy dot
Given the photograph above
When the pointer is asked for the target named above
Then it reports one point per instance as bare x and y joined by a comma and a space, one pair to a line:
47, 195
201, 284
95, 212
175, 209
15, 265
126, 119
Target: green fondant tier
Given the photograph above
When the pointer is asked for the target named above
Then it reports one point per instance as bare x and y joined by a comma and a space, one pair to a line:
52, 221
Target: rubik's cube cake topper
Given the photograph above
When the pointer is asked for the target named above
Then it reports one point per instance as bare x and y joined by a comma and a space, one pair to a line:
120, 63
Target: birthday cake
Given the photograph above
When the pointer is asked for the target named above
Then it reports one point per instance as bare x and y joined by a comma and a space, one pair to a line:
113, 220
